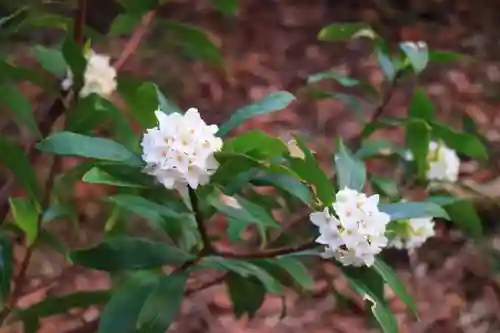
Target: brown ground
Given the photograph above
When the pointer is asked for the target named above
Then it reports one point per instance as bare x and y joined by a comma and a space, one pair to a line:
272, 46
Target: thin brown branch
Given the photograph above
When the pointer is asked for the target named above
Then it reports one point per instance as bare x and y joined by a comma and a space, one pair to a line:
79, 22
138, 34
271, 253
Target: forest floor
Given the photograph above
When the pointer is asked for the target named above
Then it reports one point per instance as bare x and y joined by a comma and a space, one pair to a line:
273, 47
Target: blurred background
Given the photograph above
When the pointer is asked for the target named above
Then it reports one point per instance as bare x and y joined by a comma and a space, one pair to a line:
271, 45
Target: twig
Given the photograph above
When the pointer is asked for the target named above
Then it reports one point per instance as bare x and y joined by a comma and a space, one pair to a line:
138, 34
79, 25
207, 244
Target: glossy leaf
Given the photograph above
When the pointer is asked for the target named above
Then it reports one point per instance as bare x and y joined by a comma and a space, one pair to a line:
99, 175
271, 103
387, 66
418, 56
74, 144
410, 210
345, 31
441, 56
246, 294
463, 213
124, 24
285, 183
226, 6
12, 97
163, 303
25, 214
14, 158
351, 172
421, 106
127, 253
464, 143
387, 187
343, 80
418, 137
296, 270
256, 141
73, 55
51, 59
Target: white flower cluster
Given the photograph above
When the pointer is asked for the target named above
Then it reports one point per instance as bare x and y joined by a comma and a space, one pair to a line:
180, 151
99, 76
356, 233
411, 234
443, 162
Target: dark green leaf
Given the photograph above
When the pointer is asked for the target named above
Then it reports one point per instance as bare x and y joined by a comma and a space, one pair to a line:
25, 214
74, 144
387, 187
5, 268
351, 172
75, 59
396, 284
418, 137
258, 141
52, 60
126, 253
463, 213
285, 183
231, 165
144, 207
271, 103
387, 66
15, 73
464, 143
124, 24
296, 270
421, 106
12, 97
193, 41
163, 303
374, 148
247, 294
418, 56
98, 175
410, 210
344, 31
226, 6
165, 105
342, 79
139, 6
441, 56
13, 158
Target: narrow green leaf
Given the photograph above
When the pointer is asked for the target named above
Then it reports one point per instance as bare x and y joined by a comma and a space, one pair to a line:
296, 270
226, 6
441, 56
396, 284
418, 137
52, 60
351, 172
139, 6
421, 106
165, 105
12, 97
258, 141
74, 144
285, 183
418, 56
344, 31
271, 103
387, 66
387, 187
464, 143
6, 268
14, 158
246, 294
126, 253
463, 213
124, 24
26, 217
342, 79
163, 303
98, 175
144, 207
375, 148
75, 59
410, 210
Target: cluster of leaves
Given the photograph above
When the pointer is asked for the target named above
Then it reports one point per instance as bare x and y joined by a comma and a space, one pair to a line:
143, 297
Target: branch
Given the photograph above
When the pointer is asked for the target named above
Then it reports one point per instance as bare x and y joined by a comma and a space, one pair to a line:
138, 34
271, 253
79, 22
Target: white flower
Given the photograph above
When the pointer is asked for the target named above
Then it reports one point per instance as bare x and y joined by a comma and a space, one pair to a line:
357, 231
416, 45
99, 76
443, 162
180, 151
411, 234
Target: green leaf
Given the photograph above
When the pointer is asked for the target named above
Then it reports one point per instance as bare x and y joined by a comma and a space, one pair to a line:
344, 31
351, 172
463, 213
418, 137
98, 175
410, 210
12, 97
16, 73
258, 141
421, 106
464, 143
124, 24
139, 6
285, 183
126, 253
418, 56
144, 207
52, 60
387, 187
244, 269
26, 217
74, 144
193, 42
6, 268
246, 294
14, 158
440, 56
122, 311
74, 58
387, 66
164, 104
396, 284
296, 270
226, 6
374, 148
231, 165
342, 79
163, 303
362, 281
271, 103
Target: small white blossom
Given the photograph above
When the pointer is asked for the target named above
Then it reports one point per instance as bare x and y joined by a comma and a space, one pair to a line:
411, 234
99, 76
356, 233
420, 45
180, 150
443, 162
